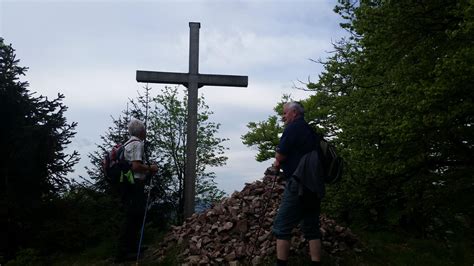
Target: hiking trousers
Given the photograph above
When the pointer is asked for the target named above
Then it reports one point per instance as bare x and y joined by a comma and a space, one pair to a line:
296, 209
133, 208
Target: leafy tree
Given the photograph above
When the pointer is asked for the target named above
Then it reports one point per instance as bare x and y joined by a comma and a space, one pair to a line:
165, 145
168, 121
34, 163
397, 97
265, 134
406, 109
117, 133
163, 203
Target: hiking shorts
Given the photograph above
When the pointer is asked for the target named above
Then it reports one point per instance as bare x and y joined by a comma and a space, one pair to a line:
295, 209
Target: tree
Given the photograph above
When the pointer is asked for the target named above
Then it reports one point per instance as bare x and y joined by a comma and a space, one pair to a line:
397, 97
406, 107
169, 120
265, 134
165, 145
163, 203
34, 164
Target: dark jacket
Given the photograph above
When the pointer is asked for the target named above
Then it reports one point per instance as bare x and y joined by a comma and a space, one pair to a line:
309, 174
298, 139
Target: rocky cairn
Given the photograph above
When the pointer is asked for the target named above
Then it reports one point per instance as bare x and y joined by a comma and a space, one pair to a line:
238, 229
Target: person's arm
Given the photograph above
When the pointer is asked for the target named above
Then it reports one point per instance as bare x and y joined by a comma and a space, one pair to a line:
139, 167
285, 145
136, 155
279, 158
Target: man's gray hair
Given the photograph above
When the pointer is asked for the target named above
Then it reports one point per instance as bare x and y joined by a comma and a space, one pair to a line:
295, 106
135, 127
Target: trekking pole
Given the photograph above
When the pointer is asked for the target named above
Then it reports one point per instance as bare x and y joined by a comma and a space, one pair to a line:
263, 215
143, 223
149, 189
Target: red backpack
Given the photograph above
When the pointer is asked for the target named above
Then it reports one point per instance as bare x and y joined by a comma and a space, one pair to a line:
115, 166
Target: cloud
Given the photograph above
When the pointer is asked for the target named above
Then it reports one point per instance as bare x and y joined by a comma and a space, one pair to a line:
239, 170
258, 97
90, 50
249, 51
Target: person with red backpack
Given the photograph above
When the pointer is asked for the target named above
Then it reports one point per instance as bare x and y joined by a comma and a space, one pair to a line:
132, 195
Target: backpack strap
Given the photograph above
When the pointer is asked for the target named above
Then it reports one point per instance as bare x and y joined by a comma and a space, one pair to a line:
121, 155
128, 142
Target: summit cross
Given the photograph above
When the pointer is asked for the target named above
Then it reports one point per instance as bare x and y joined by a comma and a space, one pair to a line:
192, 81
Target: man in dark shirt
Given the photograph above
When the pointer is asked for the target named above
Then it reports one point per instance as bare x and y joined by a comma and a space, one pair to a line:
298, 139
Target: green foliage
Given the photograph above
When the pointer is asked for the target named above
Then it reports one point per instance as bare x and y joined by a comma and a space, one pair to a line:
34, 164
397, 98
401, 91
163, 204
264, 135
401, 248
165, 145
80, 219
168, 121
27, 257
115, 134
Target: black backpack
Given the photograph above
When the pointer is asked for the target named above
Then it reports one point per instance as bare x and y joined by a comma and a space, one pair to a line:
116, 168
333, 164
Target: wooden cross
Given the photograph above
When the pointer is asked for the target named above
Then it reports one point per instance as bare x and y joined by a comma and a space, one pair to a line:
193, 81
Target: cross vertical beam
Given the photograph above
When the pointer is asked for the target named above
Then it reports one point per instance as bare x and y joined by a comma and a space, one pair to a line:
193, 81
191, 138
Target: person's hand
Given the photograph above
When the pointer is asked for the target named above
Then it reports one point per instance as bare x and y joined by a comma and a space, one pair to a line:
275, 169
276, 165
153, 168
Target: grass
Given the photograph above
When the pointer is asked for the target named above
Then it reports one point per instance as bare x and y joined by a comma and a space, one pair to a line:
97, 255
398, 248
394, 249
377, 248
103, 253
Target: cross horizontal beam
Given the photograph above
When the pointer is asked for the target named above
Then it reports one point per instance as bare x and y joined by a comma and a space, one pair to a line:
193, 81
162, 77
185, 79
222, 80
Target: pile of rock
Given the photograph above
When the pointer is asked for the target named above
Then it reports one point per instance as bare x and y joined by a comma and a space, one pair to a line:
239, 229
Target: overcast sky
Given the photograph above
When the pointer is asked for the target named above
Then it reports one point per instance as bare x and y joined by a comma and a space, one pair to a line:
90, 50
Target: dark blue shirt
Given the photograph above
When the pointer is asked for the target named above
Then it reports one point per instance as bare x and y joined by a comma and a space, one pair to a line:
298, 139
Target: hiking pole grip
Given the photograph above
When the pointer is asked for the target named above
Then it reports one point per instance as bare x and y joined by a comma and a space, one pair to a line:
143, 224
